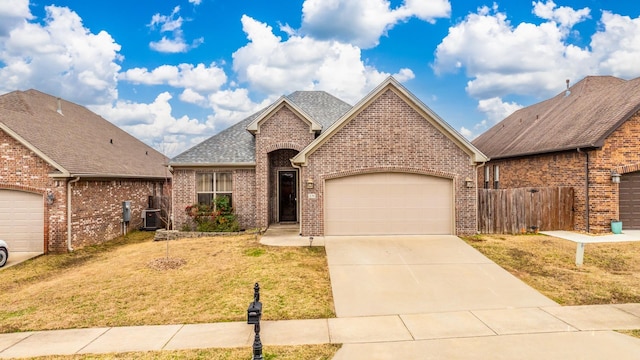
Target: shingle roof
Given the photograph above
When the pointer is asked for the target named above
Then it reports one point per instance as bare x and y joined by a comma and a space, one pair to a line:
594, 108
236, 145
78, 141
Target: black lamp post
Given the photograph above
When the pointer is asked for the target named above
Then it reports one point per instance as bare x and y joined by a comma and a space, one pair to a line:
254, 313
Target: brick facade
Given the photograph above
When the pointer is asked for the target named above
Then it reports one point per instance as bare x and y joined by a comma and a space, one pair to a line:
620, 152
388, 135
96, 205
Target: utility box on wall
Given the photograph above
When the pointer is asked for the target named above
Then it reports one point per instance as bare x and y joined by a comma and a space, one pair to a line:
126, 211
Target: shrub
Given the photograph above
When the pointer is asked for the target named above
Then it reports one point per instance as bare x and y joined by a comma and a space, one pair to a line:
214, 218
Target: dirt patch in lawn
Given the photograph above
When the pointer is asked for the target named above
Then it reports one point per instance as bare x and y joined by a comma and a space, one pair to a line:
610, 274
136, 281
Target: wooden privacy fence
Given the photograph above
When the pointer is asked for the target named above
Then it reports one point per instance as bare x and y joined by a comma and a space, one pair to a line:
513, 211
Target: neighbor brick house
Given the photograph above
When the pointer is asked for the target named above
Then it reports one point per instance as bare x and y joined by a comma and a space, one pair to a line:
388, 165
65, 172
587, 137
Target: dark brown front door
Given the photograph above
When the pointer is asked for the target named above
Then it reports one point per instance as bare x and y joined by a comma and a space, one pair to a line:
630, 201
288, 199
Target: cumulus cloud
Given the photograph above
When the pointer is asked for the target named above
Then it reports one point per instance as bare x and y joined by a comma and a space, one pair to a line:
154, 123
59, 56
272, 65
565, 16
500, 58
197, 78
172, 24
13, 13
363, 22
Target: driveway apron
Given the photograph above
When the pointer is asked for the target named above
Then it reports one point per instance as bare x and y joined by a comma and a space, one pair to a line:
388, 275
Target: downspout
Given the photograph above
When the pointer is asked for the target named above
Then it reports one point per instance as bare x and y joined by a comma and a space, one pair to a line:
475, 178
69, 248
586, 187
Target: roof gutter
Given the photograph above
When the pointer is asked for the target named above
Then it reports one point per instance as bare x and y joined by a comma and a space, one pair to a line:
69, 247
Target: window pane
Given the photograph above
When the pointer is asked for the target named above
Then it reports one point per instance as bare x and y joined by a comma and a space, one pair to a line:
224, 182
205, 182
205, 199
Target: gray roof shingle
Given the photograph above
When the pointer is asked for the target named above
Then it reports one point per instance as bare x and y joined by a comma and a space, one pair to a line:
78, 140
594, 108
236, 145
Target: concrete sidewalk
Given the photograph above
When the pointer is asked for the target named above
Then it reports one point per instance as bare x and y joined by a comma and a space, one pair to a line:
524, 333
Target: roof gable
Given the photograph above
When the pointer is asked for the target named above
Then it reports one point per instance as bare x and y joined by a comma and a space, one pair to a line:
75, 140
235, 146
583, 117
254, 126
392, 84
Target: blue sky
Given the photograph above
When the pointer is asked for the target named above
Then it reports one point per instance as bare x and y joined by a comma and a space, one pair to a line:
175, 72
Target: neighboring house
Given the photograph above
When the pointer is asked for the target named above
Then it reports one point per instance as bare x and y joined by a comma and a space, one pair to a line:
388, 165
587, 137
65, 173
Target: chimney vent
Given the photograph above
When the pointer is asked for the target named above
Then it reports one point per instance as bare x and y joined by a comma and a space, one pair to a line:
567, 92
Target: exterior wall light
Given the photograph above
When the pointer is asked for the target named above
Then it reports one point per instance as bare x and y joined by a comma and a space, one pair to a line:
310, 184
50, 197
468, 182
615, 177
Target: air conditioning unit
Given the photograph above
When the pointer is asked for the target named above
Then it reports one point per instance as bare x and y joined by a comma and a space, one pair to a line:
150, 219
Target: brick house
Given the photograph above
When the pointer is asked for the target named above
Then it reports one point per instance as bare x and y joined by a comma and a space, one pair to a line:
388, 165
65, 173
587, 137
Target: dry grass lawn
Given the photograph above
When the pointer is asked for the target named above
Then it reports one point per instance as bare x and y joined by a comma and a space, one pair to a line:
610, 274
307, 352
120, 284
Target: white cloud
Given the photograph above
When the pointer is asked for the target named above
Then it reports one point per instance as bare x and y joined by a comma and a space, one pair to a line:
528, 59
60, 57
273, 66
617, 46
13, 13
200, 78
363, 22
565, 16
172, 24
154, 124
495, 109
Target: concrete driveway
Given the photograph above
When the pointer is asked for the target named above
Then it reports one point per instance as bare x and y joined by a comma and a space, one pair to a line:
387, 275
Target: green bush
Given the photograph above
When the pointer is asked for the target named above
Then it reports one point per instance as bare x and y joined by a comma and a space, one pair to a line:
214, 218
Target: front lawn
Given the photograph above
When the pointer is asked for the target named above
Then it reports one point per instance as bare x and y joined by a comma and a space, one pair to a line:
610, 274
130, 282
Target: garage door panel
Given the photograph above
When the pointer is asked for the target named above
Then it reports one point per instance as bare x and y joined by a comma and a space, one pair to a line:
629, 205
387, 204
22, 220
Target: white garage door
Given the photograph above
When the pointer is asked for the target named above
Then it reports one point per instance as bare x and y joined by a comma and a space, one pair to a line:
21, 220
388, 204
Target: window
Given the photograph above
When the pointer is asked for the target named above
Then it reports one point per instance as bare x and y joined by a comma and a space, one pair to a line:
496, 177
486, 177
210, 186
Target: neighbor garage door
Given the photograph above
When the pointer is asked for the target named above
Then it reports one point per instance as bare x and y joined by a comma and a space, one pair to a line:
21, 220
388, 204
630, 200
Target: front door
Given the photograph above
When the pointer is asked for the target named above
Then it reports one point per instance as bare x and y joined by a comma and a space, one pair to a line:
288, 202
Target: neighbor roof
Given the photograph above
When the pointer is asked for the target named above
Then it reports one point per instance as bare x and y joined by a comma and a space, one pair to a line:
76, 141
583, 117
235, 146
